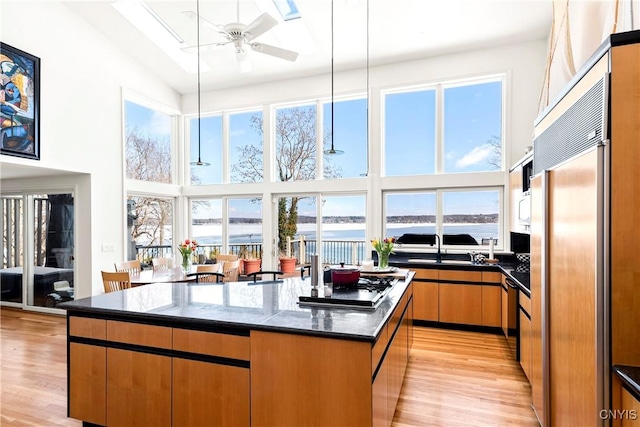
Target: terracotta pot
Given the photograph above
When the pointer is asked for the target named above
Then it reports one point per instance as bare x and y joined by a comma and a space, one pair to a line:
251, 265
288, 264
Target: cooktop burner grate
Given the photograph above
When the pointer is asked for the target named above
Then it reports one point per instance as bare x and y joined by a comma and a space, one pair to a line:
367, 293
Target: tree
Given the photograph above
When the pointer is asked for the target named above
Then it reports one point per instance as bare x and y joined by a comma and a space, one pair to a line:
496, 152
295, 157
149, 159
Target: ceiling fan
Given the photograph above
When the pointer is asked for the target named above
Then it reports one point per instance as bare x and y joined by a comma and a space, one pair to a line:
242, 36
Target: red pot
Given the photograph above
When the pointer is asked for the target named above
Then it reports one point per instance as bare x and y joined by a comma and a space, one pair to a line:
345, 275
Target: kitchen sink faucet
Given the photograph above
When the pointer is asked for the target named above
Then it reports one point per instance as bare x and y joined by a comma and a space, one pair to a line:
438, 254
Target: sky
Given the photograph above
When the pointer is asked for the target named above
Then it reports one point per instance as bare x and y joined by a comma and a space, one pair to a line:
472, 116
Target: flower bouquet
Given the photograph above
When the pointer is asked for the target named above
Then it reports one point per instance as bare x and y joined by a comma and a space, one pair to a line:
384, 248
187, 249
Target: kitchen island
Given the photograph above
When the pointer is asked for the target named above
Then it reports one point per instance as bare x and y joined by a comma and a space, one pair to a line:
235, 354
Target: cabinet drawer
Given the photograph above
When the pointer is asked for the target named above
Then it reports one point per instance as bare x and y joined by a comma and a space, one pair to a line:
378, 348
87, 328
492, 277
139, 334
461, 276
212, 344
525, 302
428, 274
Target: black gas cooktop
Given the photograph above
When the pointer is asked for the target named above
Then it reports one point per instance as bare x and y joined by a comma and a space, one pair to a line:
367, 293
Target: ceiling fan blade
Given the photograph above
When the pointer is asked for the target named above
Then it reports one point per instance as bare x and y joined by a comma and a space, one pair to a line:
259, 26
289, 55
207, 24
203, 47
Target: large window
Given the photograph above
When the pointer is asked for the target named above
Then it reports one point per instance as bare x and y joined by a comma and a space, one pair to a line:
471, 213
150, 221
148, 143
296, 143
349, 138
461, 133
410, 213
409, 133
472, 127
466, 218
210, 146
245, 147
206, 226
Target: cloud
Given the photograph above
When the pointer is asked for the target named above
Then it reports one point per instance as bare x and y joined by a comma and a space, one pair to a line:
475, 156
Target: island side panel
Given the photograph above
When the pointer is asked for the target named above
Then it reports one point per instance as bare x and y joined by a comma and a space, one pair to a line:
309, 381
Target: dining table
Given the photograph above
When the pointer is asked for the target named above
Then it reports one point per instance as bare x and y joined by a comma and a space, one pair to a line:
171, 275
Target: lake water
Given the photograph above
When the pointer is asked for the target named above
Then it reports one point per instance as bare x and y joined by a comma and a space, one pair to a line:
252, 233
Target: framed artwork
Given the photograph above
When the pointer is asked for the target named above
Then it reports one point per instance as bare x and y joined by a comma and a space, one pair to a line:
19, 103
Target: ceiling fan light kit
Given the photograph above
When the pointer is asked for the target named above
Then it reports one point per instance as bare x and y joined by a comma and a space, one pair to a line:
240, 35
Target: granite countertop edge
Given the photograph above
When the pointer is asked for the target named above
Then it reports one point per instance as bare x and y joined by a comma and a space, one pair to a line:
456, 264
369, 329
630, 376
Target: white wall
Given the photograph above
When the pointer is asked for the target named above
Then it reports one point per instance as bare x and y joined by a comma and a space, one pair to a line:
82, 76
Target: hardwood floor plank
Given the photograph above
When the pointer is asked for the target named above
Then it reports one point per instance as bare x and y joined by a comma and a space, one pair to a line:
33, 383
454, 378
459, 378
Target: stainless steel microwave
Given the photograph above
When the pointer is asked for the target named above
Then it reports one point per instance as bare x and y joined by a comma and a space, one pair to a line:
524, 209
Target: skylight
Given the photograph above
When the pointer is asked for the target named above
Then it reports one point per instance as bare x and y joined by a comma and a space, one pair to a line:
159, 32
288, 9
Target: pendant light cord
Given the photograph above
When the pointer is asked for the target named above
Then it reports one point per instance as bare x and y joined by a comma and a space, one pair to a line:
332, 151
199, 162
198, 42
332, 77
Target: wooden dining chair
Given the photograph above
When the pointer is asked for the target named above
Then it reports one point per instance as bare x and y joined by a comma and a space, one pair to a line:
133, 267
116, 281
226, 257
209, 273
231, 270
160, 264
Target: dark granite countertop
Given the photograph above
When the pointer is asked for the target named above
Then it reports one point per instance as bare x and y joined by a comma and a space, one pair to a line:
269, 306
630, 376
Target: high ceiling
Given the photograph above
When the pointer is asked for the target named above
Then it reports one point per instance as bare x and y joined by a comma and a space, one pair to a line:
398, 30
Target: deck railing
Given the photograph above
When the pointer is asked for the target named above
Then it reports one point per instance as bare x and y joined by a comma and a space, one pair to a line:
351, 252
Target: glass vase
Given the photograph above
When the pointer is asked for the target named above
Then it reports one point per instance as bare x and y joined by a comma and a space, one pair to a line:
186, 263
383, 261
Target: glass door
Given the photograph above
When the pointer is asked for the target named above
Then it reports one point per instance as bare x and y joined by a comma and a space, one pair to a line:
51, 280
37, 247
12, 249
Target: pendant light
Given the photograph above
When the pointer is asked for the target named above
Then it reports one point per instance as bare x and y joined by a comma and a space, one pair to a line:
332, 151
199, 162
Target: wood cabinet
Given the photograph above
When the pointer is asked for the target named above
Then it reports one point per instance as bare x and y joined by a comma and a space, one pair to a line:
127, 405
87, 383
525, 336
625, 408
458, 296
105, 382
88, 372
460, 303
131, 373
426, 301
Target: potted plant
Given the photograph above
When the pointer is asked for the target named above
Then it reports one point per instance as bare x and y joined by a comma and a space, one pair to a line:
251, 262
288, 263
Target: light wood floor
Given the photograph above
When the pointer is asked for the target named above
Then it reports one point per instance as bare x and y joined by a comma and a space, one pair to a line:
454, 378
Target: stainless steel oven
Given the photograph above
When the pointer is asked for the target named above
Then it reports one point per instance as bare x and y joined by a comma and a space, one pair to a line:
510, 316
